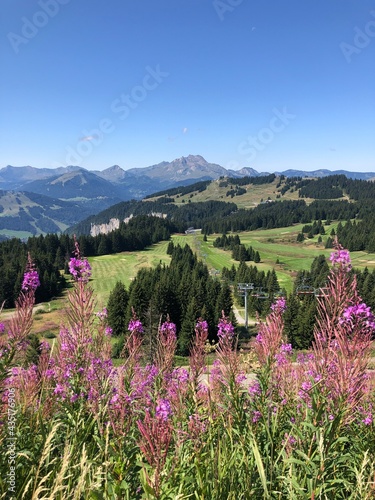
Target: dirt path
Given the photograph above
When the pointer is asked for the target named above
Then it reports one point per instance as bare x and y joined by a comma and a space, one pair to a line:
240, 320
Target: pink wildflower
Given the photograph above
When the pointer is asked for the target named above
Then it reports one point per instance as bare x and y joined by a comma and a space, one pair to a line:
163, 409
168, 329
256, 416
367, 420
135, 326
102, 314
279, 305
31, 277
225, 329
255, 389
202, 325
30, 281
358, 312
80, 269
341, 257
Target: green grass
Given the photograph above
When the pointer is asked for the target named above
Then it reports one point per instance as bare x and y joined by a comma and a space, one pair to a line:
16, 234
253, 196
278, 249
274, 245
108, 269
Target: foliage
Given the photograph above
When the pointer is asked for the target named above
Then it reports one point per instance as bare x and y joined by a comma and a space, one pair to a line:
184, 290
51, 254
239, 251
85, 429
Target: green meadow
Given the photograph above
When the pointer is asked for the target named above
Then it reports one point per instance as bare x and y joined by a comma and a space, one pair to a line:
108, 269
278, 249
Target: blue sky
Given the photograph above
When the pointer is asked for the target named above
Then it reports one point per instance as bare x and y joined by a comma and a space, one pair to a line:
267, 84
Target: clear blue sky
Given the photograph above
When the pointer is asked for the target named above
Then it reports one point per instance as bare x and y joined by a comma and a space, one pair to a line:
268, 84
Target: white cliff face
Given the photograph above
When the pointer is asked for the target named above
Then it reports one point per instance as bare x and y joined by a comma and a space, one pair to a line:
113, 224
97, 229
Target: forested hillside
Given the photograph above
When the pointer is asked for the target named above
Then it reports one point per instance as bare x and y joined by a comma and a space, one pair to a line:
333, 197
354, 208
184, 291
51, 254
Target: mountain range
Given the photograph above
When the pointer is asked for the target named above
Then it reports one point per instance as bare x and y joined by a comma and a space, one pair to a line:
69, 194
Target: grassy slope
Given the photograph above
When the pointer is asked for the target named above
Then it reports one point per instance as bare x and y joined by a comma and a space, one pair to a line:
108, 269
272, 244
253, 196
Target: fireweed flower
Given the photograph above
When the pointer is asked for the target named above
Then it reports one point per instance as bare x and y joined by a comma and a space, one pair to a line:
359, 312
282, 356
31, 277
225, 329
240, 378
168, 329
197, 359
166, 347
30, 281
286, 348
259, 338
255, 389
80, 269
181, 375
256, 416
135, 326
2, 328
341, 257
44, 346
163, 409
102, 314
367, 420
202, 325
279, 305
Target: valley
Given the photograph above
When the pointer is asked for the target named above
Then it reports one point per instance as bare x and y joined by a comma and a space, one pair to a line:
278, 249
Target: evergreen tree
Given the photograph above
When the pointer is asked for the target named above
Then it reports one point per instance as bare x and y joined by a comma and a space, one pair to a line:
170, 248
224, 302
117, 309
300, 237
291, 319
187, 328
151, 327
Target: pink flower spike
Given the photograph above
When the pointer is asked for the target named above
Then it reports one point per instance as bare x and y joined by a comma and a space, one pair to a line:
279, 305
225, 329
135, 326
341, 257
80, 269
31, 277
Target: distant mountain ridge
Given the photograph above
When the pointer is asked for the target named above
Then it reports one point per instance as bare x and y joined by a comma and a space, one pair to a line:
89, 192
138, 182
364, 176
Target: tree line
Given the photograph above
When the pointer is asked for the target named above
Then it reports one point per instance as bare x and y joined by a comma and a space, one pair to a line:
239, 251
